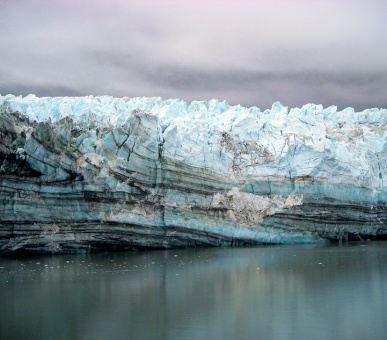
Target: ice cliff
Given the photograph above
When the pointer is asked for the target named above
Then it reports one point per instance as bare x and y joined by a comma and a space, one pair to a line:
101, 173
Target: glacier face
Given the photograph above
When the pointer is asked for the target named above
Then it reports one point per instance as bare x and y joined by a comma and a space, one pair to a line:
82, 174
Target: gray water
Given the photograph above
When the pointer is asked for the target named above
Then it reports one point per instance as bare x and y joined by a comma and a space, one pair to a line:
315, 292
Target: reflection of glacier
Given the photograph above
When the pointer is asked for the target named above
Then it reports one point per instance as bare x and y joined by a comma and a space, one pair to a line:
247, 293
90, 173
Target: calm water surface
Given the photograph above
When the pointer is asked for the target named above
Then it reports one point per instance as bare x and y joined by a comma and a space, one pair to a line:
315, 292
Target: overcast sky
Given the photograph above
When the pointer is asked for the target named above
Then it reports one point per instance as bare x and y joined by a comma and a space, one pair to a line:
331, 52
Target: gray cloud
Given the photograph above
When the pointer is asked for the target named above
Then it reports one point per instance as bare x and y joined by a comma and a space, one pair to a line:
249, 52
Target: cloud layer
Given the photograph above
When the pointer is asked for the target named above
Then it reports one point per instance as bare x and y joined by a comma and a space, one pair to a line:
247, 52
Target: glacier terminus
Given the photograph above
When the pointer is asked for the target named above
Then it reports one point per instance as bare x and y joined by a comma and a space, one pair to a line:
97, 173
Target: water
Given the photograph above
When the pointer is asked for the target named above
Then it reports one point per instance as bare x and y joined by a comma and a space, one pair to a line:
315, 292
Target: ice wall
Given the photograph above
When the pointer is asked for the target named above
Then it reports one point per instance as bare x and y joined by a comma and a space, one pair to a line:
122, 173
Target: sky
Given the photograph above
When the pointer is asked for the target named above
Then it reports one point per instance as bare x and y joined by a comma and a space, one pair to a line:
253, 53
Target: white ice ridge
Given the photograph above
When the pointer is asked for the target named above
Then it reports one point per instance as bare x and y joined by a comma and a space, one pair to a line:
115, 111
345, 147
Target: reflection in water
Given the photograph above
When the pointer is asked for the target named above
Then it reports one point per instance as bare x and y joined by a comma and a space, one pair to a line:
328, 292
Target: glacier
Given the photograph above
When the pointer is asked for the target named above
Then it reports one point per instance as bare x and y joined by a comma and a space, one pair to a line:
97, 173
